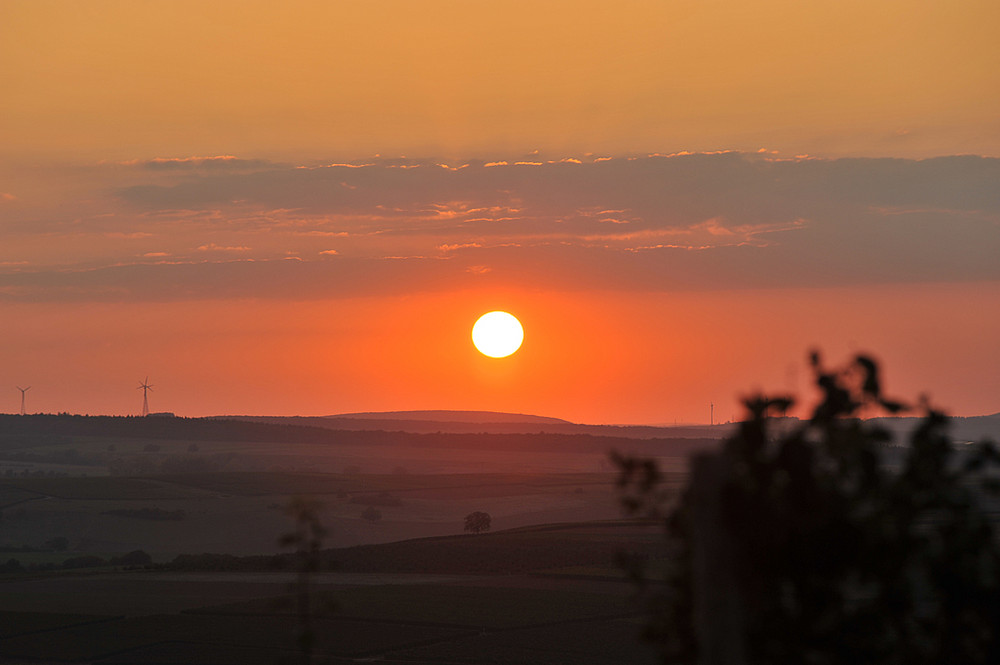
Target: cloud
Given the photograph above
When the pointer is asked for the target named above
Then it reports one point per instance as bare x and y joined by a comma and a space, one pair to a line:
212, 247
7, 197
457, 246
215, 163
323, 234
135, 235
709, 233
659, 189
686, 221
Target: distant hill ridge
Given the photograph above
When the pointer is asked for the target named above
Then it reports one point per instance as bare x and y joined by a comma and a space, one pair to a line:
478, 422
449, 416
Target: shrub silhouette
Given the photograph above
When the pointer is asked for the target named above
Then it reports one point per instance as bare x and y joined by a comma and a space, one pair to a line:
372, 514
134, 558
801, 545
478, 522
87, 561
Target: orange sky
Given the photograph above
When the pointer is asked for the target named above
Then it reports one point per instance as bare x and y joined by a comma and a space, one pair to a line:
679, 200
115, 79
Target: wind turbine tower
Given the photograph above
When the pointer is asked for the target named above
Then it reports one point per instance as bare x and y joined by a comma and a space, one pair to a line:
145, 388
23, 390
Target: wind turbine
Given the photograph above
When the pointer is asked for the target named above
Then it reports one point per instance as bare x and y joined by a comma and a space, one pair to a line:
23, 390
145, 388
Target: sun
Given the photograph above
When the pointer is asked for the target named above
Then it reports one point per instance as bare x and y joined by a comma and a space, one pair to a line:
497, 334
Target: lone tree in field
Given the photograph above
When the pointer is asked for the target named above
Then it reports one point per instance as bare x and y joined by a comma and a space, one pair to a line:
478, 522
804, 544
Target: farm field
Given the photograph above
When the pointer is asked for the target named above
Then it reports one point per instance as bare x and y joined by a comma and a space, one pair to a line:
204, 515
90, 480
244, 513
165, 616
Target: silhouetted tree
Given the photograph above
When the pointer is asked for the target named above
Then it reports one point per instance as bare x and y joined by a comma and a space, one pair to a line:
803, 545
307, 538
12, 566
372, 514
133, 558
86, 561
478, 522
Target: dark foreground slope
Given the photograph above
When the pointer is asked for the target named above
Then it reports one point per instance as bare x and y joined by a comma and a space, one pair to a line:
586, 548
559, 602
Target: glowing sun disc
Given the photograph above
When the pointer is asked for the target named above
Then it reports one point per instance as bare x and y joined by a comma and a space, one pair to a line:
497, 334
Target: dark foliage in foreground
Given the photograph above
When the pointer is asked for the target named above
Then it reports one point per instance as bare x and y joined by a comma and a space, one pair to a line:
834, 556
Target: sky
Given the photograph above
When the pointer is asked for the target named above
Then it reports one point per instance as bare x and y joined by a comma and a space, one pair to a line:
303, 208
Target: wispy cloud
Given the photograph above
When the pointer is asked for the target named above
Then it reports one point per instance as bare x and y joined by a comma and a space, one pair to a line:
457, 246
212, 247
134, 235
213, 163
719, 220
